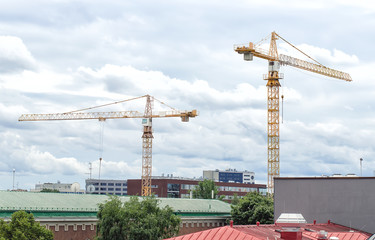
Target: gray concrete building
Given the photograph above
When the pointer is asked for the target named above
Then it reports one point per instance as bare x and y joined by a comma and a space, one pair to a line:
349, 201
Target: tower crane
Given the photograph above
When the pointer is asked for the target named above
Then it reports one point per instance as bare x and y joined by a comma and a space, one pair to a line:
274, 61
146, 122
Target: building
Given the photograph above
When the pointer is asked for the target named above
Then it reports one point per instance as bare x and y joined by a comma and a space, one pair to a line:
230, 175
73, 216
107, 186
175, 187
349, 201
280, 230
61, 187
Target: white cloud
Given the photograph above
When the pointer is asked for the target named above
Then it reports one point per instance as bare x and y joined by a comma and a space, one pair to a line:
14, 56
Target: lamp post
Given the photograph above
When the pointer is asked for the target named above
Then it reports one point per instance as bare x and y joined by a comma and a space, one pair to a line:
360, 162
14, 174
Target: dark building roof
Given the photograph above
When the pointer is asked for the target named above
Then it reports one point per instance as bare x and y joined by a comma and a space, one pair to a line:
274, 231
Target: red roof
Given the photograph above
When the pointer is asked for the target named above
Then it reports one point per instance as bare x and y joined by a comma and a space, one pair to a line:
264, 232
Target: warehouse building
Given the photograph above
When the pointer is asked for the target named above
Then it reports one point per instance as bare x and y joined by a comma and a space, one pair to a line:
73, 216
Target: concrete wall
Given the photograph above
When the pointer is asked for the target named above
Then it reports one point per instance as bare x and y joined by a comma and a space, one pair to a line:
349, 201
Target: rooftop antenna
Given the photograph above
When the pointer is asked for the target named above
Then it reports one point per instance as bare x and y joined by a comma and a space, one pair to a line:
90, 168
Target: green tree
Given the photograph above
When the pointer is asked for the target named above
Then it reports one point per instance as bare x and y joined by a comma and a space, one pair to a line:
253, 208
50, 190
235, 199
204, 189
136, 219
23, 227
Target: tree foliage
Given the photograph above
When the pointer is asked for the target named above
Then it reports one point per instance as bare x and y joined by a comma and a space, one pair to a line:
50, 190
253, 208
204, 189
23, 227
136, 219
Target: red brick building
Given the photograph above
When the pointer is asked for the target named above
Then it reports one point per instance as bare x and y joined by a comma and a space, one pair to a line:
169, 187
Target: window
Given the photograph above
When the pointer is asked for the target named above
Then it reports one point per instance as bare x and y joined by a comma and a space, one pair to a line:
103, 184
173, 187
154, 186
95, 184
118, 184
118, 189
103, 189
110, 189
124, 184
110, 184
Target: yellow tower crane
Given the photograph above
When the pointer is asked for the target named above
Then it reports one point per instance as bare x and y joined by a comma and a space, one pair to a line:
146, 122
274, 61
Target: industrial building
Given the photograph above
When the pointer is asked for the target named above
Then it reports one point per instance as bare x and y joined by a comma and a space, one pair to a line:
176, 187
346, 200
73, 216
107, 187
230, 175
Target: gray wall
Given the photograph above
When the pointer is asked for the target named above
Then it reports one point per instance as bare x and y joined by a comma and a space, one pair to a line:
347, 201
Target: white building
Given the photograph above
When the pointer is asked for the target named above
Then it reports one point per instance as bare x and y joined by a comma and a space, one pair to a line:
61, 187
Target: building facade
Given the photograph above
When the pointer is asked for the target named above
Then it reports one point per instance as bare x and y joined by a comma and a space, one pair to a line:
107, 187
169, 187
230, 175
349, 201
61, 187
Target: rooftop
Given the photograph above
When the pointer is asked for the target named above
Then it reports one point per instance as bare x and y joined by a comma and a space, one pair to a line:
59, 203
266, 232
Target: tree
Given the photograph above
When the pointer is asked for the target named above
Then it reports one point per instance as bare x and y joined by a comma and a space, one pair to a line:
136, 219
204, 190
253, 208
50, 190
23, 227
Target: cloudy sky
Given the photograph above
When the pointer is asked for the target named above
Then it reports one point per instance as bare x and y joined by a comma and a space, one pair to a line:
63, 55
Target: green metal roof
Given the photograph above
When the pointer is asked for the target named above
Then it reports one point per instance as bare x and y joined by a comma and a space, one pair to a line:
59, 204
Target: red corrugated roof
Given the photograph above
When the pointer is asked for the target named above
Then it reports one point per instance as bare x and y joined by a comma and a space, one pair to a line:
264, 232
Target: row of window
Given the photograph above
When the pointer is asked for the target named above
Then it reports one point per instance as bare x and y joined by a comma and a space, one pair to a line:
110, 184
111, 189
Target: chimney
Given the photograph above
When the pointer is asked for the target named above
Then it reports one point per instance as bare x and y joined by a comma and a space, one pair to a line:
322, 235
291, 234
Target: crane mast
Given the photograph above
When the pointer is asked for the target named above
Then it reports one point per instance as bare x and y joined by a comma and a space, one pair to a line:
273, 99
147, 149
146, 122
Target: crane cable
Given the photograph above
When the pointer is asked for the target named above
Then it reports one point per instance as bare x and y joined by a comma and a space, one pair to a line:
101, 143
299, 50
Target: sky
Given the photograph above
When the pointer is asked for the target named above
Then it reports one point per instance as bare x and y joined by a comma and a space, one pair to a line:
62, 55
